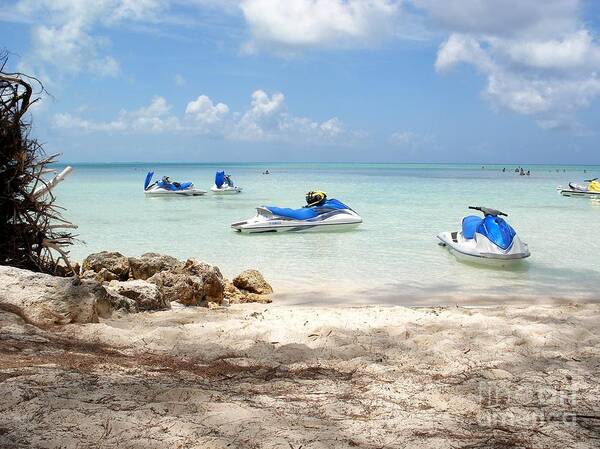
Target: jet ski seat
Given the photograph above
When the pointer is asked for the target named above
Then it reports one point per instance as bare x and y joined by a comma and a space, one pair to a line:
470, 225
175, 186
306, 213
184, 185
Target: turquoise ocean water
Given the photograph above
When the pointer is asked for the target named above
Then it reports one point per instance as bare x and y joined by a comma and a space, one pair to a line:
392, 258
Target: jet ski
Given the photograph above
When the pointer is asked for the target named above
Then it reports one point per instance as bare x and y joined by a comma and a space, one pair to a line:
590, 190
320, 214
224, 185
486, 240
167, 187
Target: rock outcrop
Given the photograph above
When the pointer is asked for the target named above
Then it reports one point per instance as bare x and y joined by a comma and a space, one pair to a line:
111, 281
145, 295
44, 300
192, 283
113, 262
118, 301
64, 271
252, 281
236, 296
148, 264
100, 276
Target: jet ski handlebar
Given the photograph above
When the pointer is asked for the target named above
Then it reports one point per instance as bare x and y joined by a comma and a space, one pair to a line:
488, 211
590, 180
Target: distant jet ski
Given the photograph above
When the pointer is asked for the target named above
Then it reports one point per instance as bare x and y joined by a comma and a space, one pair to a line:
167, 187
224, 185
590, 190
488, 240
320, 214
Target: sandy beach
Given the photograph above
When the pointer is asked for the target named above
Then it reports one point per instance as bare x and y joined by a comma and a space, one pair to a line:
313, 377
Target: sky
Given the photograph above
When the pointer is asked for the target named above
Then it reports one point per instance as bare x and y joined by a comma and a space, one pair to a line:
482, 81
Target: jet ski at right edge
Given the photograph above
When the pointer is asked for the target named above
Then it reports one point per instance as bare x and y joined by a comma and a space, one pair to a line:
486, 240
589, 190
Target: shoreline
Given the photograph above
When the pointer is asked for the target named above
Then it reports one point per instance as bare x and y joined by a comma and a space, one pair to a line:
390, 297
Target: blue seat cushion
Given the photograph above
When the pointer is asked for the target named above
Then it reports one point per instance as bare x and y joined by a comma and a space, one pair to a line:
182, 186
469, 225
185, 185
306, 213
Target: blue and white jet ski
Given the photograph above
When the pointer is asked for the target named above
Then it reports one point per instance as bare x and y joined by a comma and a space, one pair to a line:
487, 240
224, 185
167, 187
326, 215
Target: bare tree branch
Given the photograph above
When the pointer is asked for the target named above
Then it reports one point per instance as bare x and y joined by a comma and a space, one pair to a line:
31, 225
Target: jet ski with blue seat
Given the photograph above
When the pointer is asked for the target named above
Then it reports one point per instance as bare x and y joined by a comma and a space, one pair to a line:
224, 185
591, 189
166, 187
486, 240
320, 214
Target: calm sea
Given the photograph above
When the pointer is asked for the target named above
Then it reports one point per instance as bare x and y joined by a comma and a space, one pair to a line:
392, 258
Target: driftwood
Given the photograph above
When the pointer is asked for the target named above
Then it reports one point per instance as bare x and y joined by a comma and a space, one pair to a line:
33, 233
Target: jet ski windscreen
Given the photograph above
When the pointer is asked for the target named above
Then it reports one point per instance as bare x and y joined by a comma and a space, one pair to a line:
332, 203
148, 179
219, 179
497, 230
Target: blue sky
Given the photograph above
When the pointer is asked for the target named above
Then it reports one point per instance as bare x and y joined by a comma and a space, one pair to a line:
485, 81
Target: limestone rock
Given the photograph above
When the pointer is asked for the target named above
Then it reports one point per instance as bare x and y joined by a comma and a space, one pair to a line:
64, 271
148, 264
253, 282
193, 283
147, 296
236, 296
101, 276
43, 300
118, 301
114, 262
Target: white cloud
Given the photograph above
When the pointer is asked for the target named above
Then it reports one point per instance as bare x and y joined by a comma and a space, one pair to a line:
63, 32
572, 51
319, 23
153, 118
544, 65
267, 119
539, 58
410, 139
502, 18
548, 88
205, 113
460, 48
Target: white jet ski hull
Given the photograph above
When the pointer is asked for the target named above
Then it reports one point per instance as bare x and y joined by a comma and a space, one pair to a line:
264, 221
481, 251
225, 190
579, 193
153, 191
